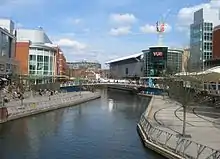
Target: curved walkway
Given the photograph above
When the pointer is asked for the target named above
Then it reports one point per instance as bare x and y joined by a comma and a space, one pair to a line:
167, 115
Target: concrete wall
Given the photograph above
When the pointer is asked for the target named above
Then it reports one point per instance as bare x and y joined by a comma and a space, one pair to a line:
134, 67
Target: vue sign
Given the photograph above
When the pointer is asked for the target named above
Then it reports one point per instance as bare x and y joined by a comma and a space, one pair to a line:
158, 53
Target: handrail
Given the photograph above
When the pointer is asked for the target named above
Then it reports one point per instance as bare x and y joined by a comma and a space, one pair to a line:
177, 144
107, 83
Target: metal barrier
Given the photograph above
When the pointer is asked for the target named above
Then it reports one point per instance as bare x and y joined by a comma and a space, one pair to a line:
177, 144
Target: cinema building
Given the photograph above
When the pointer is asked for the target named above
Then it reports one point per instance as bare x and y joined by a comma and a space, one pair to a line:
160, 59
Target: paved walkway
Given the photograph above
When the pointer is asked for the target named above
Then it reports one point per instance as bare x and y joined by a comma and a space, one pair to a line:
167, 115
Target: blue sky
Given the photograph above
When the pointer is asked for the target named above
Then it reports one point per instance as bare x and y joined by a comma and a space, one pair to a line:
105, 29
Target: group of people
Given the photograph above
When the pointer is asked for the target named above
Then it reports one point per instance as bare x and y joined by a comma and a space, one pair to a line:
47, 92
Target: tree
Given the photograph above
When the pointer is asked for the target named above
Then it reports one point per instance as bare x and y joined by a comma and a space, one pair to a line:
184, 90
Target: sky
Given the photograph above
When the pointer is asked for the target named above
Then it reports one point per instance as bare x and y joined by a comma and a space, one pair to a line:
102, 30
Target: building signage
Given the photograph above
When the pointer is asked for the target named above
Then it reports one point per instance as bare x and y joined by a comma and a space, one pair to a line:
158, 54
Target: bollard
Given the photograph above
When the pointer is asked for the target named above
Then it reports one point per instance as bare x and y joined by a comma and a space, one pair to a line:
3, 113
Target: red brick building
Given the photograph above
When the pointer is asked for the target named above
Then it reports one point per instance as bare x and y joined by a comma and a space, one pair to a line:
216, 42
22, 56
215, 61
61, 63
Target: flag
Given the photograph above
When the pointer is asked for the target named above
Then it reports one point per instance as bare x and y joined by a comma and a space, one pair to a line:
162, 27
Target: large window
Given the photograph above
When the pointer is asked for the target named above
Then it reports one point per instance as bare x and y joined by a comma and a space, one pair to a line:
41, 62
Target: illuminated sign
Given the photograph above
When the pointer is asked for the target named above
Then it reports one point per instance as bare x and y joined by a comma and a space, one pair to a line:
158, 54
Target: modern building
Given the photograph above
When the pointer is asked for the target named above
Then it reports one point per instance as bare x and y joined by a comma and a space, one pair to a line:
84, 65
127, 67
161, 58
7, 47
36, 55
201, 37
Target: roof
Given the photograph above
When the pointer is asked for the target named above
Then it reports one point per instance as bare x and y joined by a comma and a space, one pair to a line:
125, 58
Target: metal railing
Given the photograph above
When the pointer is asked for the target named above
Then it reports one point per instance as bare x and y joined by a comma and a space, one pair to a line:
108, 83
177, 144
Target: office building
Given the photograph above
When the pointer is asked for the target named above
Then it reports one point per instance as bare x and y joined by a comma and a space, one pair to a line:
129, 67
201, 37
161, 59
7, 48
36, 55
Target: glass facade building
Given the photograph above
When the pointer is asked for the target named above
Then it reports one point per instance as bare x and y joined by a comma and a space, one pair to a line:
201, 38
41, 62
160, 59
37, 56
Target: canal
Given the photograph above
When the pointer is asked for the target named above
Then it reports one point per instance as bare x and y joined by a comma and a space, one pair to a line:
101, 129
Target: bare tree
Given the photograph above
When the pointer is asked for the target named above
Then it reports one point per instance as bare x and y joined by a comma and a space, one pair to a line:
183, 89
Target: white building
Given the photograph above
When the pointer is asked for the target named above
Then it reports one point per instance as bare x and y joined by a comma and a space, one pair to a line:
41, 54
201, 36
7, 47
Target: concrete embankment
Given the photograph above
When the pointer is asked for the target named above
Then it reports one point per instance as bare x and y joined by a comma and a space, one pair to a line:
160, 128
147, 141
32, 108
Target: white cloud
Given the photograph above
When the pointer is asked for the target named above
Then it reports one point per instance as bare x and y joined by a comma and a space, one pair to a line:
185, 15
123, 19
152, 28
71, 44
120, 31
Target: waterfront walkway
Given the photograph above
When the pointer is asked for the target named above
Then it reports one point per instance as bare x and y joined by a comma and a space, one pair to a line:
166, 115
43, 103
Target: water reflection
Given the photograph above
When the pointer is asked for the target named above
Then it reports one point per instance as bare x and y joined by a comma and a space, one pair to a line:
104, 128
110, 104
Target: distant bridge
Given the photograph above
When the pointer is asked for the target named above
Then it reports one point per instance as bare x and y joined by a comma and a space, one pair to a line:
126, 86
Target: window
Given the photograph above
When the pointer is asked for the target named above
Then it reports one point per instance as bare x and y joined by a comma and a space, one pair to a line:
46, 68
31, 72
40, 58
32, 67
40, 66
32, 57
126, 71
46, 58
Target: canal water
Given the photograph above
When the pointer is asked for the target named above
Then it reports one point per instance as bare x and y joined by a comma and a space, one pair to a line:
101, 129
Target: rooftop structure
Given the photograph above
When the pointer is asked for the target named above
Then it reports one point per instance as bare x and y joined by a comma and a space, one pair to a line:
125, 58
